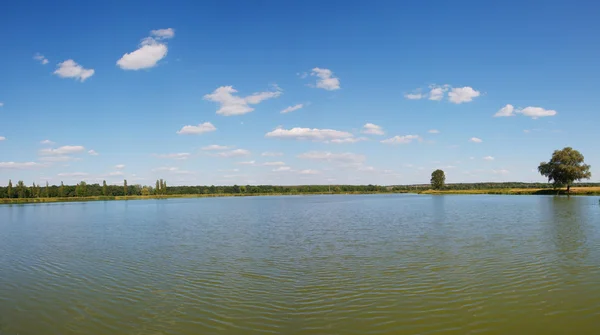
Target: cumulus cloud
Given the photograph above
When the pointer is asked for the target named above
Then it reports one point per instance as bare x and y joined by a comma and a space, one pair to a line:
314, 134
327, 156
372, 129
215, 147
70, 69
488, 158
64, 150
93, 152
18, 165
230, 104
401, 139
119, 166
475, 140
73, 174
437, 92
414, 96
40, 58
233, 153
202, 128
151, 50
273, 163
271, 154
536, 112
505, 111
309, 171
460, 95
349, 140
433, 131
292, 108
326, 80
178, 156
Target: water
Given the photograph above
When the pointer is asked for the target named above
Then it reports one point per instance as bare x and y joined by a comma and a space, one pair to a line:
389, 264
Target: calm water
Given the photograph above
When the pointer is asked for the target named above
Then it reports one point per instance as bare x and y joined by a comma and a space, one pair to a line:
391, 264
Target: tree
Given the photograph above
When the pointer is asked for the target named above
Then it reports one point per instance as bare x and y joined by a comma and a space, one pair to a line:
47, 191
61, 191
81, 189
564, 168
104, 188
9, 188
438, 179
164, 187
125, 187
21, 187
157, 188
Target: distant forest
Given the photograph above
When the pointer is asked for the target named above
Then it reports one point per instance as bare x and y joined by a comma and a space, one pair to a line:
20, 190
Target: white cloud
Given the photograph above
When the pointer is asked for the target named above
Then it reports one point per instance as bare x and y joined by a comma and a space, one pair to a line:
163, 33
247, 163
2, 138
347, 157
231, 104
1, 104
273, 163
309, 134
215, 147
199, 129
18, 165
505, 111
64, 150
48, 142
120, 166
73, 174
488, 158
151, 50
292, 108
178, 156
40, 58
70, 69
373, 129
60, 158
172, 169
433, 131
282, 168
271, 154
309, 171
536, 112
401, 139
93, 152
115, 173
234, 153
327, 80
502, 171
459, 95
437, 92
349, 140
475, 140
414, 96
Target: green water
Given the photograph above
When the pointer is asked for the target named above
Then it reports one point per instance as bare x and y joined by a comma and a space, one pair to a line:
377, 264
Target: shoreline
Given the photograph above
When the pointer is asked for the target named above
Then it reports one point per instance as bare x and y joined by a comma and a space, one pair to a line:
575, 191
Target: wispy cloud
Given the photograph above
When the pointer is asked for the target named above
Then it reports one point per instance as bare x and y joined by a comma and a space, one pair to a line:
292, 108
202, 128
230, 104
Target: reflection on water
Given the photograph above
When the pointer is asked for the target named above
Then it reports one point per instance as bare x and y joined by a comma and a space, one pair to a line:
393, 264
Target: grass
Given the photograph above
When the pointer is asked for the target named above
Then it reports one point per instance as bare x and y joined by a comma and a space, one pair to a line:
593, 190
170, 196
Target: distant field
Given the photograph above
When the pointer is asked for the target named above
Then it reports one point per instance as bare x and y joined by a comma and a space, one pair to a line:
592, 190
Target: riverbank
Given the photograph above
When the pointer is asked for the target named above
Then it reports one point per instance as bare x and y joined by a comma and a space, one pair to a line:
577, 191
521, 191
170, 196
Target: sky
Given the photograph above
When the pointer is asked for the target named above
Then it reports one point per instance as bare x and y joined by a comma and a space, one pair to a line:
295, 92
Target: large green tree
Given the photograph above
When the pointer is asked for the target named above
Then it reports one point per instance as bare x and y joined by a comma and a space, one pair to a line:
438, 179
9, 188
565, 167
104, 188
125, 186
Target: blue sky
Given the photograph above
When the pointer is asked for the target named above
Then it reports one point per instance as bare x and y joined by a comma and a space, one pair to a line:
383, 92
